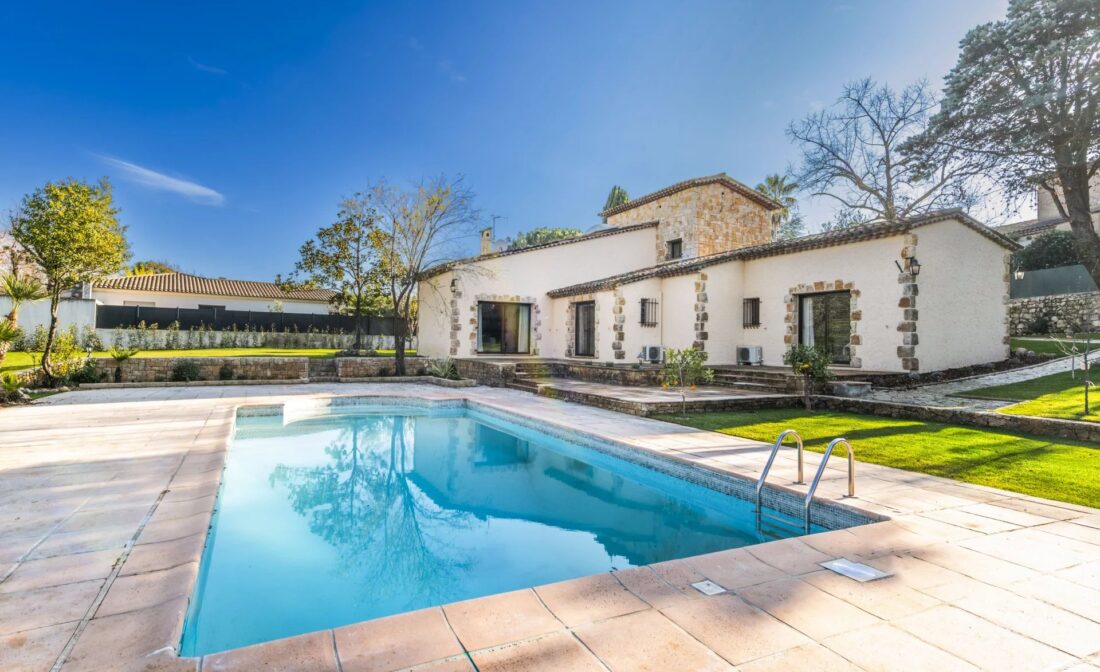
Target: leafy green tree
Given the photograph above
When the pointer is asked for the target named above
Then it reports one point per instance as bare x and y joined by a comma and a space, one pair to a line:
543, 234
1025, 95
781, 189
345, 256
419, 228
684, 370
70, 230
812, 363
845, 219
616, 197
1050, 250
150, 267
19, 289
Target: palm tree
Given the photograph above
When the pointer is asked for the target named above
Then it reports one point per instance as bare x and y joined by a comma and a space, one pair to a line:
780, 189
19, 289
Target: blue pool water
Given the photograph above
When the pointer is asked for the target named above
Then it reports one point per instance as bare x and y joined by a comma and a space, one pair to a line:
343, 517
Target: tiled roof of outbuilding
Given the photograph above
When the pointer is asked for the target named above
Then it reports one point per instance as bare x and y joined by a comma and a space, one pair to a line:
185, 283
855, 234
720, 178
443, 268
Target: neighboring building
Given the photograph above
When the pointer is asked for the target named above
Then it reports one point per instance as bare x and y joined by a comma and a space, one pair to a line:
1047, 218
182, 290
695, 264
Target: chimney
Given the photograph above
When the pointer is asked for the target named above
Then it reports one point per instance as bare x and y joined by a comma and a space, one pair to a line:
487, 240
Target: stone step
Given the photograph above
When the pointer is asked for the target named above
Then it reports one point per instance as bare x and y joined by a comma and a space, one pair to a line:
522, 387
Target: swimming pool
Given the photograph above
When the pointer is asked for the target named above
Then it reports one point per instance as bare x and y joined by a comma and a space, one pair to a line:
341, 515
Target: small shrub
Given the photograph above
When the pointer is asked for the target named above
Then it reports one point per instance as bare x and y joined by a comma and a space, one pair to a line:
86, 373
812, 364
11, 387
685, 369
225, 372
1040, 325
184, 371
89, 339
444, 368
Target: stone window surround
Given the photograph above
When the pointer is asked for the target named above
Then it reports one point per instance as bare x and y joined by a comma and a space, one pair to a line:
701, 315
791, 318
536, 321
571, 326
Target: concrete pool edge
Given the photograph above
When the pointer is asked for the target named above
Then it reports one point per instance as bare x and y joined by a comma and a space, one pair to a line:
882, 491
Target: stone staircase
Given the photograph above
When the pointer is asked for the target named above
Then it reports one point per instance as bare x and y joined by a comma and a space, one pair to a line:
528, 375
750, 379
323, 370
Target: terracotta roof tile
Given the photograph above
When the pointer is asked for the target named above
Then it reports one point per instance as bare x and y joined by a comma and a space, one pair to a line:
443, 268
185, 283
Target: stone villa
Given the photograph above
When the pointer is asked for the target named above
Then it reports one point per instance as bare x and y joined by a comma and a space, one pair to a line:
696, 264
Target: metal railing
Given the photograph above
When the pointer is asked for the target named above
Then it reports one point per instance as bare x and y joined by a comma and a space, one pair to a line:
771, 459
821, 471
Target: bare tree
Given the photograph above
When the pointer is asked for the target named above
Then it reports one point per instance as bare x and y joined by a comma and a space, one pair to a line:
421, 227
851, 153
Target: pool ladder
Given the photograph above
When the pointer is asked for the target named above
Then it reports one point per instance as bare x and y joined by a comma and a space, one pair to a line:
759, 509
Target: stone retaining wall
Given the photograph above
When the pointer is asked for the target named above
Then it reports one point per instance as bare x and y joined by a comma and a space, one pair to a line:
669, 407
1059, 311
159, 369
373, 367
1024, 424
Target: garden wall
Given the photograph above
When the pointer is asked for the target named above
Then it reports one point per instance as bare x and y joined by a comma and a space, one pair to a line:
1053, 314
1024, 424
374, 367
159, 369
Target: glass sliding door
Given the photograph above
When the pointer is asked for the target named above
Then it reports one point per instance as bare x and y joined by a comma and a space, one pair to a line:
825, 321
585, 329
503, 328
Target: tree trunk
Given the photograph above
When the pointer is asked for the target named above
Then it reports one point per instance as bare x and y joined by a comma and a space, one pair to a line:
398, 343
1075, 195
358, 328
47, 359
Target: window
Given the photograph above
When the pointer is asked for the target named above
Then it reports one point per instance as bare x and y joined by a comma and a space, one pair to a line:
503, 328
825, 321
750, 313
675, 248
584, 329
649, 313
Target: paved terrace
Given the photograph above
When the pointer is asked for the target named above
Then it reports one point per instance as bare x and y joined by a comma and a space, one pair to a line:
106, 496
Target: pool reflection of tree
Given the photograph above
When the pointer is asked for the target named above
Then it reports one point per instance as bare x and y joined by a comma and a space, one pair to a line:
363, 504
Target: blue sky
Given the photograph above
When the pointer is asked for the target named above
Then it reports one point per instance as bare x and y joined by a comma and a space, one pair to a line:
231, 130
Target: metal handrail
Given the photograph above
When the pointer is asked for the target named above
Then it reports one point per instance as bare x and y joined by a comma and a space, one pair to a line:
771, 458
821, 471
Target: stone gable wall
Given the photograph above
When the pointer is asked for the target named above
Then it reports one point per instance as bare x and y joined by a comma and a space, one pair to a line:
708, 219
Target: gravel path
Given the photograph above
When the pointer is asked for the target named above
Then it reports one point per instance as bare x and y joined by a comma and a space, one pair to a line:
939, 394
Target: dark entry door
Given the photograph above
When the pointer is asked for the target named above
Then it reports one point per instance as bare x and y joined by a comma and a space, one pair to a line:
585, 320
825, 322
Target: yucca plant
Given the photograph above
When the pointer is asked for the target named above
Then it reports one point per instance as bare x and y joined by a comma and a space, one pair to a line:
10, 384
19, 289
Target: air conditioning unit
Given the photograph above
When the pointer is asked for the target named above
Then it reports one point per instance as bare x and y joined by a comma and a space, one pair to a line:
751, 355
654, 354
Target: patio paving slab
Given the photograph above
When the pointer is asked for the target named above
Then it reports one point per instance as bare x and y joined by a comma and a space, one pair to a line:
82, 472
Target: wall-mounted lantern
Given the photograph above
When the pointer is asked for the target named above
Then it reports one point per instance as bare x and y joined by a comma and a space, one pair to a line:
912, 265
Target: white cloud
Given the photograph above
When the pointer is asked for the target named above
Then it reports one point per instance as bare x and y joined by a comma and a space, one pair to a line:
154, 180
212, 69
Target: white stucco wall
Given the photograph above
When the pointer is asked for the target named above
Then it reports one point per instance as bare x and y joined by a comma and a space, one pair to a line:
117, 297
528, 275
963, 316
77, 312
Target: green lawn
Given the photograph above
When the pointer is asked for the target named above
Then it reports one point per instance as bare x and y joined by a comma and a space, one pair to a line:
1052, 468
1058, 395
23, 360
1046, 345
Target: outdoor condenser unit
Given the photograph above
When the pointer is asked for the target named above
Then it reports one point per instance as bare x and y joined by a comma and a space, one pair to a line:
654, 354
752, 355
